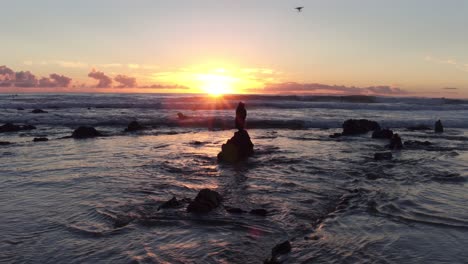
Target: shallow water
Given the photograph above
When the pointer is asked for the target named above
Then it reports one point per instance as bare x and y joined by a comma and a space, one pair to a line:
96, 200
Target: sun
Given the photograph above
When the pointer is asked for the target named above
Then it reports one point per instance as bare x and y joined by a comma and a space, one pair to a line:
216, 84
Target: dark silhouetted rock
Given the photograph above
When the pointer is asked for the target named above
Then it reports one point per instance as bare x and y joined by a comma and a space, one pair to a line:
233, 210
382, 134
418, 127
181, 116
238, 148
278, 250
416, 143
260, 212
172, 203
4, 143
134, 126
20, 108
85, 132
335, 135
241, 115
8, 127
359, 126
38, 111
395, 142
383, 156
39, 139
205, 201
438, 128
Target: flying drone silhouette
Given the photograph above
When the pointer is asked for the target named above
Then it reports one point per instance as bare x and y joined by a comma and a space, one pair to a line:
299, 8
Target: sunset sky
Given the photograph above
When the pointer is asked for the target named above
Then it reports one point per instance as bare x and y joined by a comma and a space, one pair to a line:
398, 47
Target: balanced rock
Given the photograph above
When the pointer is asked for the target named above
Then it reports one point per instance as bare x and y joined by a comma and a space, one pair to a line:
9, 127
38, 111
383, 156
85, 132
205, 201
438, 128
382, 134
40, 139
359, 126
241, 114
238, 148
134, 126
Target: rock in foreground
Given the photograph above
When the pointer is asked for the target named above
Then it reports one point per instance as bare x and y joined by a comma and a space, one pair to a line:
278, 250
359, 126
238, 148
9, 127
438, 128
85, 132
134, 126
205, 201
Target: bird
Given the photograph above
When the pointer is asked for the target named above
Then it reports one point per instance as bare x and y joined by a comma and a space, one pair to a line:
299, 8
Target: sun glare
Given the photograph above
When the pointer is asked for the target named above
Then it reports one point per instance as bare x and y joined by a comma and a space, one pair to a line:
216, 84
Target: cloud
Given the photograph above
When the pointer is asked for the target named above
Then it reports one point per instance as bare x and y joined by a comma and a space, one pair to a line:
165, 86
7, 76
317, 88
104, 80
25, 79
125, 81
453, 62
54, 80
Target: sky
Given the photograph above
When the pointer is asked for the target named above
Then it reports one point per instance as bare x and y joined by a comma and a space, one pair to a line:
372, 47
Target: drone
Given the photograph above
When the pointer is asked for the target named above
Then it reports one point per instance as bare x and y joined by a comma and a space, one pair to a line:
299, 8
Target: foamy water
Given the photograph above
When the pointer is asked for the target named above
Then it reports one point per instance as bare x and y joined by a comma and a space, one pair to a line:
96, 200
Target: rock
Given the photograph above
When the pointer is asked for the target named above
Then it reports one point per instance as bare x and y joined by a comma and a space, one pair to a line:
38, 111
20, 108
181, 116
260, 212
8, 127
383, 156
278, 250
4, 143
233, 210
438, 128
85, 132
418, 127
335, 135
241, 114
39, 139
134, 126
172, 203
383, 134
395, 142
238, 148
205, 201
416, 143
359, 126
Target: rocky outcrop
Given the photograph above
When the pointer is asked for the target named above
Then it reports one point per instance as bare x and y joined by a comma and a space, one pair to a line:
9, 127
359, 126
205, 201
277, 251
239, 147
395, 142
382, 134
38, 111
134, 126
438, 127
40, 139
383, 156
85, 132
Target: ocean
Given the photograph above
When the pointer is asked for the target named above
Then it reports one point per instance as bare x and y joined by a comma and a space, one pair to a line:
96, 200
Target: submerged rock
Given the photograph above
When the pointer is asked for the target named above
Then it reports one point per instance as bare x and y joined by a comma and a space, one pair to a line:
172, 203
395, 142
181, 116
359, 126
205, 201
260, 212
238, 148
335, 135
234, 210
4, 143
85, 132
38, 111
20, 108
438, 128
134, 126
9, 127
39, 139
382, 134
383, 156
